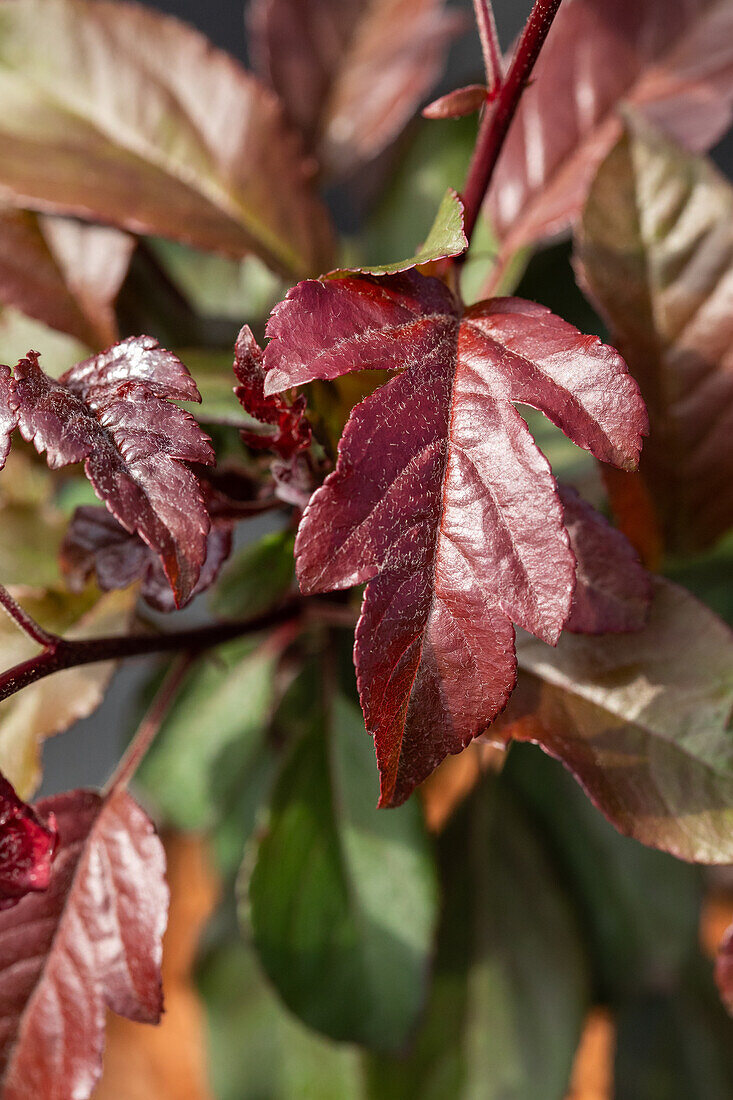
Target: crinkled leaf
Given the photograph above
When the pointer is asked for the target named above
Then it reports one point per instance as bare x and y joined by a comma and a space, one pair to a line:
655, 247
612, 591
292, 431
224, 701
509, 986
673, 59
458, 526
257, 578
112, 412
342, 899
643, 722
91, 941
350, 72
53, 704
446, 238
96, 545
63, 273
27, 846
119, 114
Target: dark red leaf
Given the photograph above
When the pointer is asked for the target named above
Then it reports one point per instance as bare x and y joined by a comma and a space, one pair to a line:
92, 941
457, 104
724, 970
350, 72
112, 412
292, 432
440, 498
27, 847
8, 415
671, 58
613, 592
97, 545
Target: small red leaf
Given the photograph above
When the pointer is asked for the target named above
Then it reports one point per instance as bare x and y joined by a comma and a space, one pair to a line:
613, 593
112, 412
292, 432
27, 846
91, 941
440, 498
8, 415
458, 104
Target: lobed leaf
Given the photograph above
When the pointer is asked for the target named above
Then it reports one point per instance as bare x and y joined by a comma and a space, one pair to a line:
672, 59
347, 951
114, 413
63, 273
459, 530
118, 114
643, 722
350, 72
91, 941
655, 252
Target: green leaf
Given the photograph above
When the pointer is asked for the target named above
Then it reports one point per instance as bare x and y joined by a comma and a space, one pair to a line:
257, 1050
640, 908
32, 526
446, 238
342, 897
510, 989
643, 722
257, 578
224, 703
181, 142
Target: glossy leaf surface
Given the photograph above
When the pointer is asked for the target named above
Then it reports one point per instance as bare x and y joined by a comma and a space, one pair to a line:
509, 986
27, 847
346, 948
458, 527
114, 413
119, 114
89, 942
674, 60
63, 273
643, 722
655, 250
351, 73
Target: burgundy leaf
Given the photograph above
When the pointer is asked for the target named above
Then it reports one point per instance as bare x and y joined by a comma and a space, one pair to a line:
292, 432
724, 970
27, 847
112, 412
92, 941
457, 104
671, 58
8, 414
613, 592
350, 72
440, 498
97, 545
63, 273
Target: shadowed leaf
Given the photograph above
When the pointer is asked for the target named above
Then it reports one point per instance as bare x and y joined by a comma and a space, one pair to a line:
91, 941
458, 528
118, 114
350, 72
27, 845
655, 250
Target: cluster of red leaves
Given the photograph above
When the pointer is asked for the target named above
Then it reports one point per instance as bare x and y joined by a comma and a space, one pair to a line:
440, 499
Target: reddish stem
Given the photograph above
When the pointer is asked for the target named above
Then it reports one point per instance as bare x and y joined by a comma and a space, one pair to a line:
151, 723
489, 45
25, 621
497, 119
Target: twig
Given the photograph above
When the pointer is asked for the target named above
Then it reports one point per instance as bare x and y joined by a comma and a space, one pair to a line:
489, 46
26, 622
151, 723
497, 119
